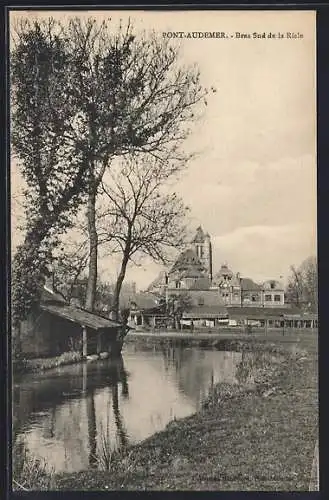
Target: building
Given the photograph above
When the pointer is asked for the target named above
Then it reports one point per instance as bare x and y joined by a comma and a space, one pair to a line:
145, 310
224, 297
54, 326
228, 285
201, 244
193, 272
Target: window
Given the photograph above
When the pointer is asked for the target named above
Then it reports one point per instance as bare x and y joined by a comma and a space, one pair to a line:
272, 285
277, 298
201, 301
268, 298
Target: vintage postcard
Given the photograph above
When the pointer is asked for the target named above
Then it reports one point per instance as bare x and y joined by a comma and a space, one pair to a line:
164, 250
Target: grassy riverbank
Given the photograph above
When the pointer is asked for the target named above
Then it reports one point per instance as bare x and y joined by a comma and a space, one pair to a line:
227, 339
258, 435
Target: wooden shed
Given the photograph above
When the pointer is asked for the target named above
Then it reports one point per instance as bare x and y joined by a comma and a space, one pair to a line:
56, 326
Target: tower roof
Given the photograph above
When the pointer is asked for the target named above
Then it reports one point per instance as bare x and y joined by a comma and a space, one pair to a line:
224, 270
199, 236
188, 261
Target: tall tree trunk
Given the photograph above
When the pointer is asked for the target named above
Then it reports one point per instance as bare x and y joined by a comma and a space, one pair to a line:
118, 286
93, 250
95, 180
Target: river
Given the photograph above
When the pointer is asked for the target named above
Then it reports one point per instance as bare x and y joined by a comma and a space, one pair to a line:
70, 416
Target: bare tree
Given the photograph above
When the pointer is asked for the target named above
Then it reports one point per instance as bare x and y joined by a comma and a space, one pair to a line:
309, 271
69, 266
134, 96
141, 218
83, 94
294, 292
302, 289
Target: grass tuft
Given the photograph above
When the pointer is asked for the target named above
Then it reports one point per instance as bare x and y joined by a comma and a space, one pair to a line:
29, 471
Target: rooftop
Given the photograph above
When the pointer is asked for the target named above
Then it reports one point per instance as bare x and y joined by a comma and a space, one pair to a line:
80, 316
206, 312
259, 312
143, 300
249, 284
187, 260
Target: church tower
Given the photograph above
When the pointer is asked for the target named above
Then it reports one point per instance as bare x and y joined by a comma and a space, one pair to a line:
202, 247
208, 255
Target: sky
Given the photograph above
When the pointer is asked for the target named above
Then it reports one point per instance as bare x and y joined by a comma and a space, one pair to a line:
252, 183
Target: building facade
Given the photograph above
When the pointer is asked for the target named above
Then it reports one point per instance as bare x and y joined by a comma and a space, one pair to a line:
193, 272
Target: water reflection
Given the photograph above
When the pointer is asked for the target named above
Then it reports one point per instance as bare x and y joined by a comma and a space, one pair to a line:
75, 416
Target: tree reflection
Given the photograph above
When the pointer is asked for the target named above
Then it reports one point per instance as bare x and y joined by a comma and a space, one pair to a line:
193, 375
121, 430
106, 446
123, 378
102, 456
76, 404
91, 419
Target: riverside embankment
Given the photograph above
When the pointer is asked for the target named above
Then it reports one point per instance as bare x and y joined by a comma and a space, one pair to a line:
204, 339
258, 435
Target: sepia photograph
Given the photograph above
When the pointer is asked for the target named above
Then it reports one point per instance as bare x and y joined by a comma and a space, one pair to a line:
164, 274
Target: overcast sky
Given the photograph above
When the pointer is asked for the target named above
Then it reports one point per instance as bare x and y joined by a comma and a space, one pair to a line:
253, 184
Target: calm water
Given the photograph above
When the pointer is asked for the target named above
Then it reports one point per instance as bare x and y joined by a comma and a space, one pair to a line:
65, 415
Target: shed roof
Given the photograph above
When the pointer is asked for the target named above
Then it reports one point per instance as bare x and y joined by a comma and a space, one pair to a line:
80, 316
257, 312
205, 312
